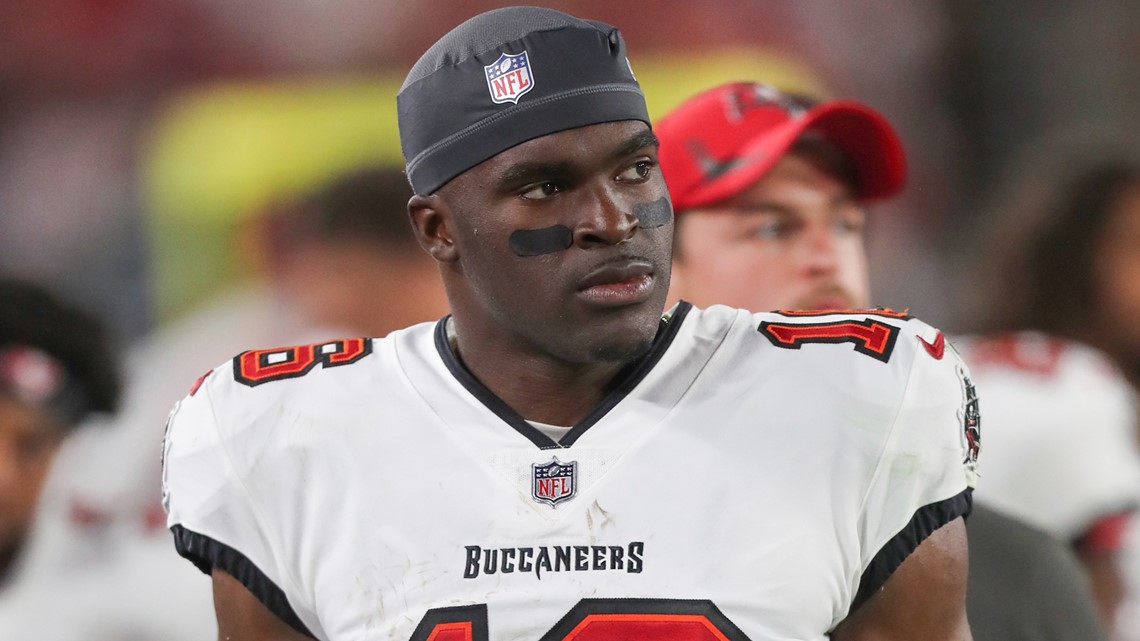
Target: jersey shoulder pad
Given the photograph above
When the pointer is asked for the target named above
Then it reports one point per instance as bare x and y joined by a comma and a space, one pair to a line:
904, 406
876, 362
893, 363
302, 376
256, 389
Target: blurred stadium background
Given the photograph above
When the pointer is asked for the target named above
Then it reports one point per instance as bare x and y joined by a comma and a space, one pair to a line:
138, 136
144, 142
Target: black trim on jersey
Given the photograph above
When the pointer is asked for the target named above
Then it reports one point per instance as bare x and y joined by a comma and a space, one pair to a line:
699, 607
622, 384
206, 554
926, 520
476, 615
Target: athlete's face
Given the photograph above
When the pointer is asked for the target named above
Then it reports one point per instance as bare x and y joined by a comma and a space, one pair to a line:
563, 243
29, 438
792, 241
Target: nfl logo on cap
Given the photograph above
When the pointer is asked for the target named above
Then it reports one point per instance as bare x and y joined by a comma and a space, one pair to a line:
509, 77
553, 482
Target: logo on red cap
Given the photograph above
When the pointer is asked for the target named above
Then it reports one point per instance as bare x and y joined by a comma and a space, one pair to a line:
718, 143
742, 98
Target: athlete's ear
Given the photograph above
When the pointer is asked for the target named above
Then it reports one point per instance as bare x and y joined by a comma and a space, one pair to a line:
432, 223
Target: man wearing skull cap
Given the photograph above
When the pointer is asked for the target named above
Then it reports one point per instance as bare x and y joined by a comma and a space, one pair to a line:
561, 457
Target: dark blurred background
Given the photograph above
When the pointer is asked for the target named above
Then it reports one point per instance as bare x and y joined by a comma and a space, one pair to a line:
138, 137
165, 164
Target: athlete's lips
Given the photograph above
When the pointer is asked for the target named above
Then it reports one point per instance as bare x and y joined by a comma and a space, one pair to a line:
618, 283
824, 304
830, 298
616, 272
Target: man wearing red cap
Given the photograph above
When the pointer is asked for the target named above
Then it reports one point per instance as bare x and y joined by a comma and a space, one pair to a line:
769, 186
770, 193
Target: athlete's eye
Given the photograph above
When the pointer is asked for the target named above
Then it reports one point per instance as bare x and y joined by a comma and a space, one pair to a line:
851, 221
638, 172
541, 191
770, 229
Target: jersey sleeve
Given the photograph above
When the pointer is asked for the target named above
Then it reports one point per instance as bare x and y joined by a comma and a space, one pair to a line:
928, 468
215, 523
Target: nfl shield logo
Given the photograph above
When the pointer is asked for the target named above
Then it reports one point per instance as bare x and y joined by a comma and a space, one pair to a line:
553, 482
509, 77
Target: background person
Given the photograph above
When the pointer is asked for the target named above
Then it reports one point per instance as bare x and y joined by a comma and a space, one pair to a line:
771, 193
56, 369
1057, 346
339, 261
773, 197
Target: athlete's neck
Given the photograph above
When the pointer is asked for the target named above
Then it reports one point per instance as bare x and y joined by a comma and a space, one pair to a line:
538, 386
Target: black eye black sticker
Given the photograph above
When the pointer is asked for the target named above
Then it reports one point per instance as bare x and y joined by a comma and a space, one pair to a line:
654, 214
547, 240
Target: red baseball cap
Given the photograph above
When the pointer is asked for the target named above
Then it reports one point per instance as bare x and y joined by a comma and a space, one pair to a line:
718, 143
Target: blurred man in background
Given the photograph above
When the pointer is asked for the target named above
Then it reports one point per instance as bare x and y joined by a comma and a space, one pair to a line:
771, 193
1057, 345
57, 369
771, 221
345, 257
341, 261
1068, 260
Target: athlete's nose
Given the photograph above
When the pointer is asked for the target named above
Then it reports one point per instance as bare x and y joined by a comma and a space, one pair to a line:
607, 219
819, 250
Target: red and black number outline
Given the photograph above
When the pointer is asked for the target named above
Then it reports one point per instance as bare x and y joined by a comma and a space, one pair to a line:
253, 367
870, 337
456, 623
595, 619
672, 619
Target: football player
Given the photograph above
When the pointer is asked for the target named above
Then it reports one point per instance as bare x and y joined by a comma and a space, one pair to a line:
558, 459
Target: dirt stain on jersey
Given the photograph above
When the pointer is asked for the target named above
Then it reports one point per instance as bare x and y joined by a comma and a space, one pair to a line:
596, 514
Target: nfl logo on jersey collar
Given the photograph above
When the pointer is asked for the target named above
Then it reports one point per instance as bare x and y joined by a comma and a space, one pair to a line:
509, 77
554, 482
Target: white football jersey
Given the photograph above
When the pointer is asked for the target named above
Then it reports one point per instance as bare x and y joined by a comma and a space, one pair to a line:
1060, 431
754, 476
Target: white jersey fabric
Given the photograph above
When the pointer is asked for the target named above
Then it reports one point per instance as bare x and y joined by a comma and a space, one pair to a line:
1060, 431
752, 477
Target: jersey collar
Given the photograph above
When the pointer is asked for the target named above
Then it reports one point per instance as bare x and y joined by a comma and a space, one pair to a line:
624, 383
